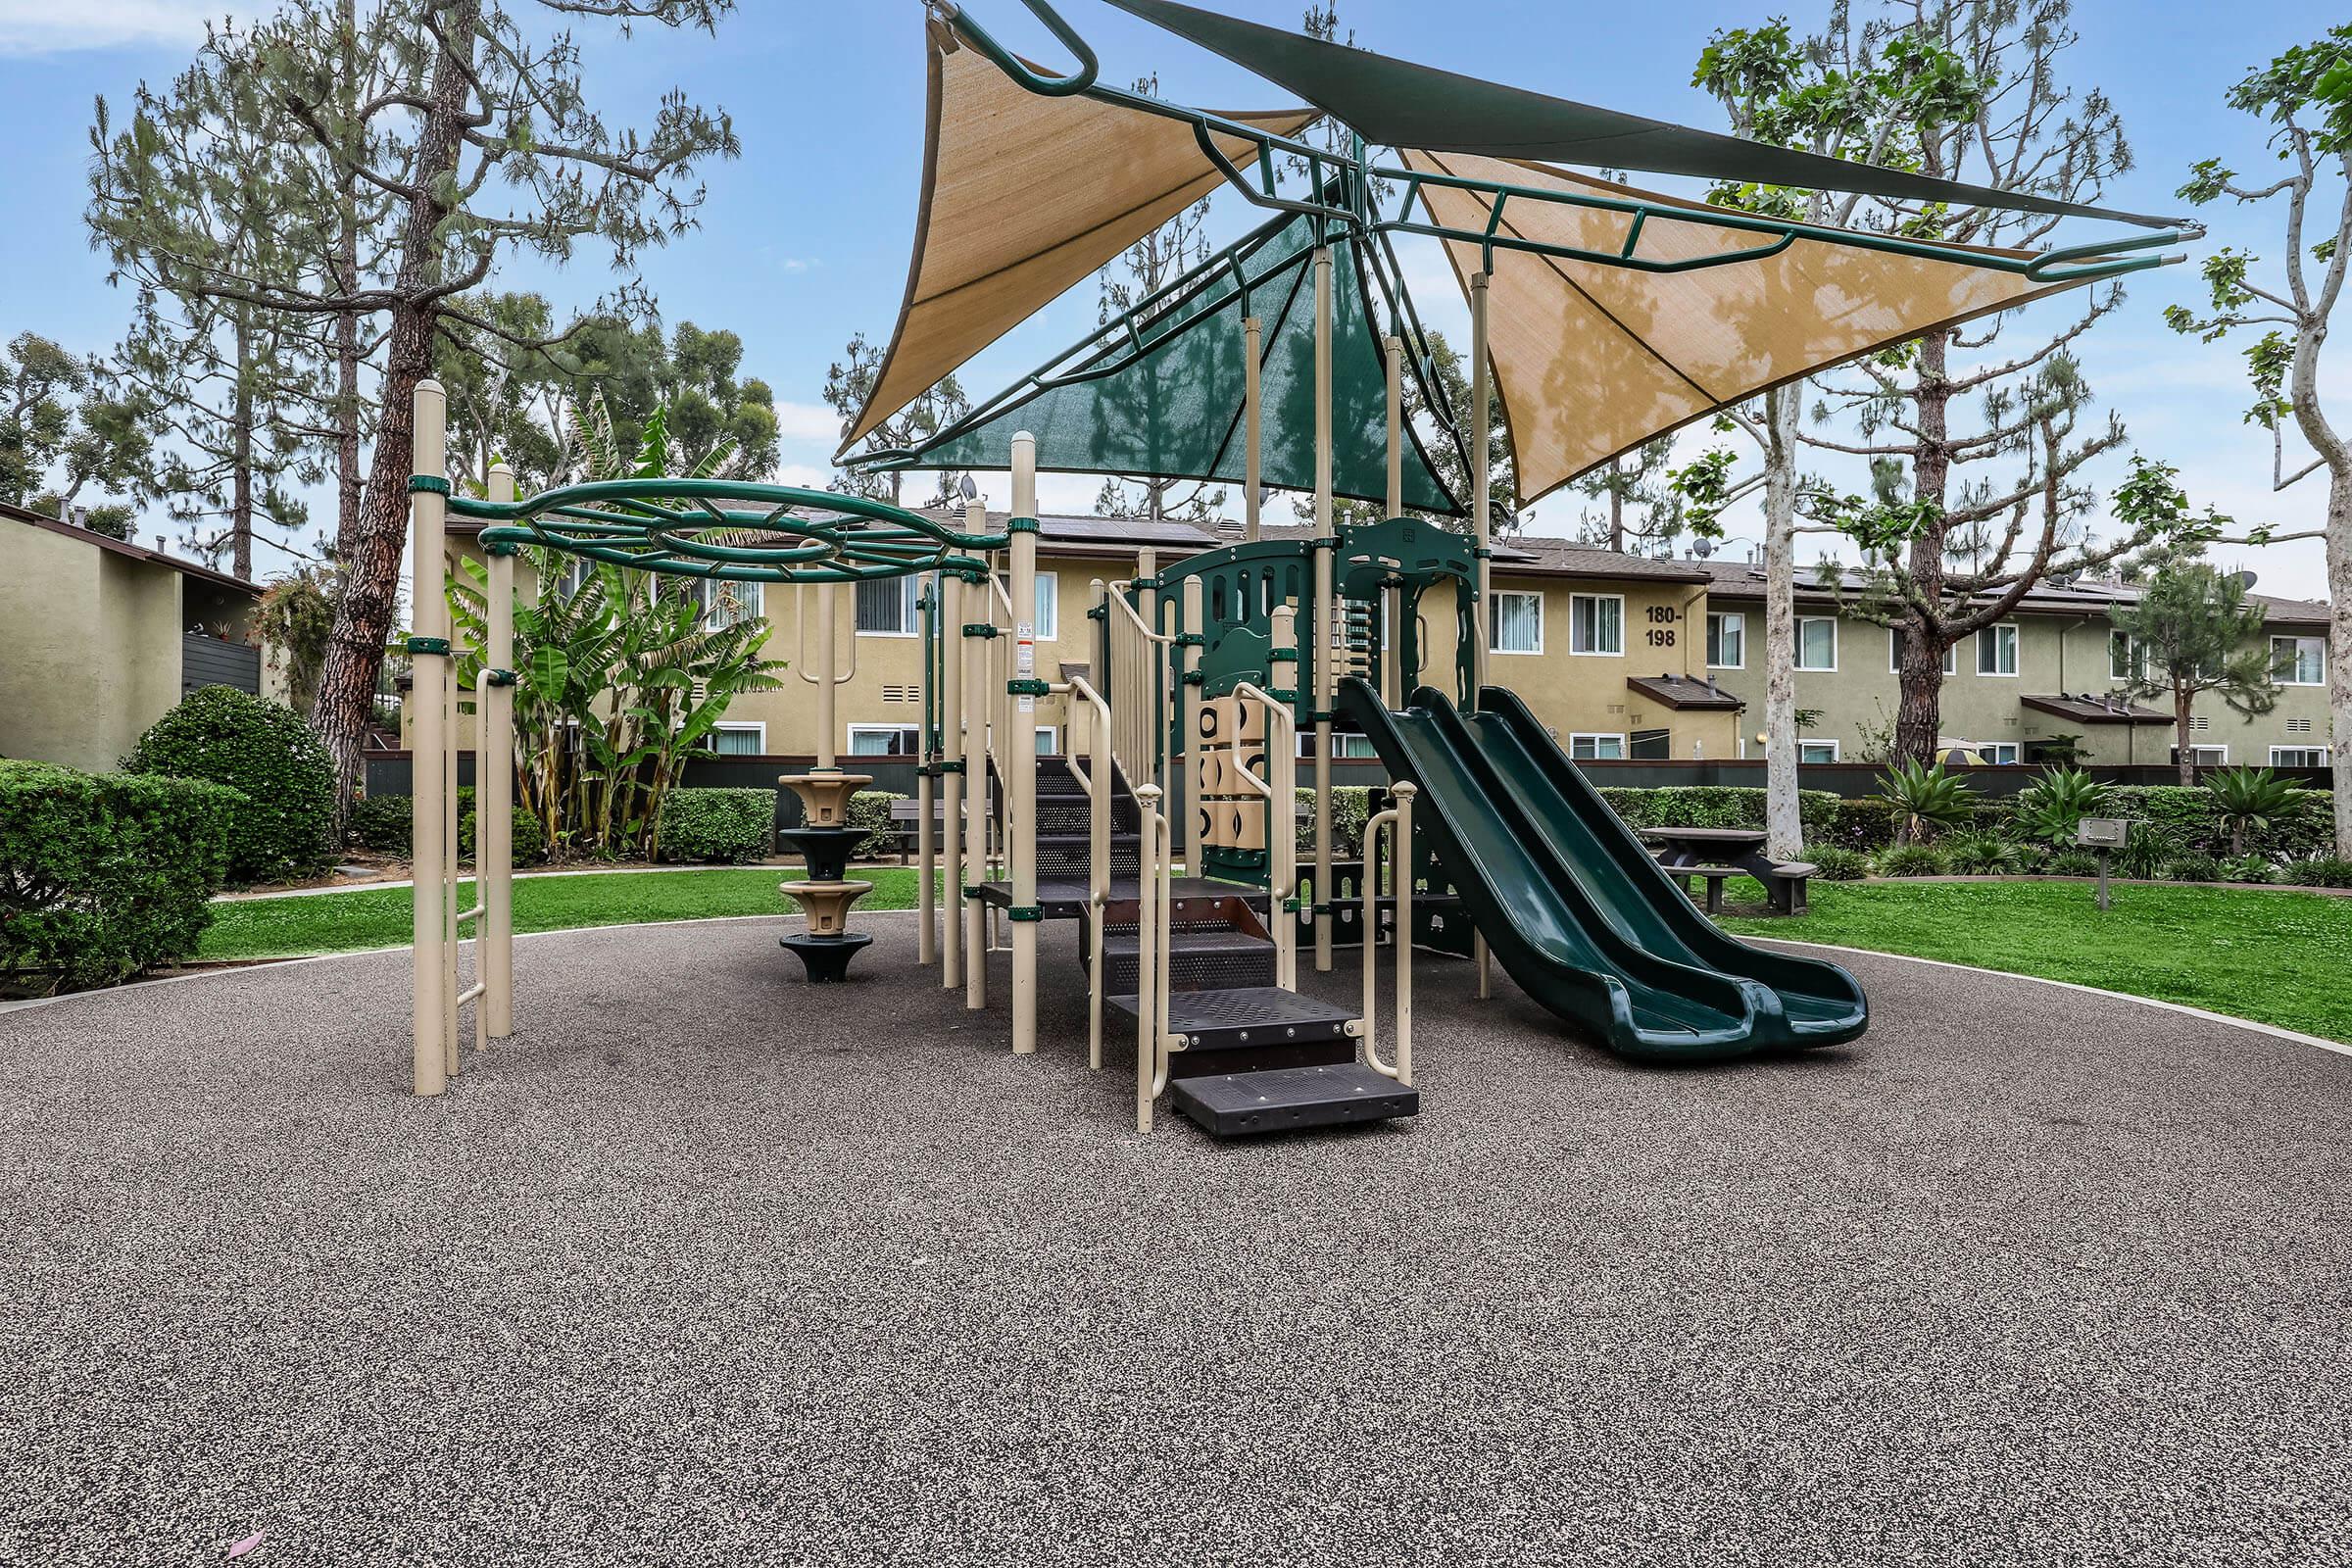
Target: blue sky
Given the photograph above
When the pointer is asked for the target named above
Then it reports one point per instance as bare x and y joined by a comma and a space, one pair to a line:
805, 238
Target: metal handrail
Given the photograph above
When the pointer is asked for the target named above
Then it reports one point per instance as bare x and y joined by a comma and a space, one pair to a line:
1095, 781
1399, 821
1281, 795
1155, 1045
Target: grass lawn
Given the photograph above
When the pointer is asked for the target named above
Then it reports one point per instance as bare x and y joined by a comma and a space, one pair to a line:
378, 917
2278, 957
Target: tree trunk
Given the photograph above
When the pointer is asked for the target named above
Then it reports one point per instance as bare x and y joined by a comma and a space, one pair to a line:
1783, 811
240, 512
348, 481
364, 615
2184, 754
1918, 712
2339, 645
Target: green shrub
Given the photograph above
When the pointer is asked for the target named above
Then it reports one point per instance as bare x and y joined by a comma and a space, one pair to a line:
2193, 868
871, 809
2050, 810
1865, 825
384, 823
268, 755
1980, 852
1834, 863
1913, 859
1925, 798
2249, 869
722, 826
529, 844
1351, 810
2074, 863
104, 877
2320, 871
2147, 850
2254, 799
1720, 806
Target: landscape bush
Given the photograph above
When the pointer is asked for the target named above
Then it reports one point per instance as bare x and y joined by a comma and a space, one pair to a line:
1865, 825
387, 824
871, 809
1835, 863
1722, 806
1980, 852
529, 838
104, 877
719, 826
268, 755
2250, 868
1351, 810
2193, 868
2073, 862
1913, 859
2320, 871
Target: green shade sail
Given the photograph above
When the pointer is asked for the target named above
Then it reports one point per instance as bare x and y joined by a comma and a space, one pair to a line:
1161, 396
1398, 104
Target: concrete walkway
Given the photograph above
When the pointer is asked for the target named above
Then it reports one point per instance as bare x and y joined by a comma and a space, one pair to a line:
711, 1267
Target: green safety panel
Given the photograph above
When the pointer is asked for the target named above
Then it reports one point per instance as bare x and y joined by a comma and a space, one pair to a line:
1395, 103
1169, 403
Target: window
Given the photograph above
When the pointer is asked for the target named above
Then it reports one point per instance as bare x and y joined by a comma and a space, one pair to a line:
1651, 746
1049, 740
1048, 607
1726, 642
1817, 751
2204, 755
1996, 650
1895, 654
1355, 747
1597, 748
886, 606
2127, 656
1518, 623
728, 603
1596, 623
884, 740
2298, 757
739, 740
2299, 660
1816, 642
2001, 754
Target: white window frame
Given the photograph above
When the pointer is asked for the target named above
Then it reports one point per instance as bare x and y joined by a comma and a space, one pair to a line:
713, 587
2016, 648
1340, 741
1048, 607
1802, 760
892, 729
2297, 657
1830, 669
1051, 734
1895, 654
1495, 622
2135, 658
2199, 750
757, 727
2015, 750
1715, 639
912, 585
1596, 735
1617, 651
2317, 753
1631, 736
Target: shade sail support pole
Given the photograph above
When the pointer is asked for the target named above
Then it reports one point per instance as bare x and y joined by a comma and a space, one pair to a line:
428, 460
1482, 508
1253, 459
1325, 531
1020, 747
494, 787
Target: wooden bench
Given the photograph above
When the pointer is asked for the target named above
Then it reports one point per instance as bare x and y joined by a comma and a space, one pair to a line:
1785, 883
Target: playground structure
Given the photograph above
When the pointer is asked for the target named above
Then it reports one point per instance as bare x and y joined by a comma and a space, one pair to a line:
1603, 314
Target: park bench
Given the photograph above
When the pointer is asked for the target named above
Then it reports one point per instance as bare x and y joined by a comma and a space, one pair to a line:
1785, 883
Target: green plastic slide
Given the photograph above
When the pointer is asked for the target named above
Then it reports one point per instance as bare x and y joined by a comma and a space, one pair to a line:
1573, 905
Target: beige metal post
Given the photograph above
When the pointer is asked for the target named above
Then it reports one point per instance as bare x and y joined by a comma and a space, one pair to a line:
1325, 527
1282, 812
926, 830
1185, 700
1020, 748
957, 754
1253, 333
452, 932
827, 756
429, 510
980, 606
493, 788
1146, 957
1481, 507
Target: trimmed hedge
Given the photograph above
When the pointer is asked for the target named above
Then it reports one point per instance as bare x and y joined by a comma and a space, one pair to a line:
268, 755
387, 824
719, 826
871, 809
529, 838
1351, 810
2189, 821
104, 877
1726, 805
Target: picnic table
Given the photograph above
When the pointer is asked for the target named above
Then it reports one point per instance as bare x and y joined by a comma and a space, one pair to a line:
1716, 855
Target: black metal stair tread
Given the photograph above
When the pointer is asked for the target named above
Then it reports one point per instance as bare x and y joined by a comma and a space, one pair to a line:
1063, 898
1276, 1099
1248, 1018
1126, 942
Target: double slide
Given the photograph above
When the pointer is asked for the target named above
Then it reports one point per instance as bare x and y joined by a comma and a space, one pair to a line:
1571, 905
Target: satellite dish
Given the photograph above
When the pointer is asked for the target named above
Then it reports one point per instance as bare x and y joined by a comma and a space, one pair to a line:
1702, 548
2246, 579
967, 489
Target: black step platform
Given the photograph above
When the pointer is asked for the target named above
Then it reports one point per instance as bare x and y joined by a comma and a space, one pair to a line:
1198, 961
1249, 1019
1239, 1105
1063, 898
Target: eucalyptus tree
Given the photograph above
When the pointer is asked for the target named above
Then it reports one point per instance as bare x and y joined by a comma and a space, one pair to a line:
472, 139
2305, 95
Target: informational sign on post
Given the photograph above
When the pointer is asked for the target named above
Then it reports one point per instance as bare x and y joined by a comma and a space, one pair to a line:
1025, 659
2102, 836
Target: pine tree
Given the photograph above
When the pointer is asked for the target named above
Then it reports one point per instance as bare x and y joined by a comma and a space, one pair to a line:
2193, 632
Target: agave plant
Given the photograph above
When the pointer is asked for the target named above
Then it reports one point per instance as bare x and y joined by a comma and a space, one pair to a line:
2050, 810
2248, 800
1926, 797
1978, 852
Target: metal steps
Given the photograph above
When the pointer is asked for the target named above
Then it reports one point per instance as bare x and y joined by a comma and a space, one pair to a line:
1202, 958
1276, 1099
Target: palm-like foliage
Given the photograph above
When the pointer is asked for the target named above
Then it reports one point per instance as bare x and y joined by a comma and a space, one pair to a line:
2050, 810
1925, 798
2248, 800
622, 675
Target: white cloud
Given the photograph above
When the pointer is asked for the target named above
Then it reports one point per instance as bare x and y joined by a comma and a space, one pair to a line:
807, 422
42, 27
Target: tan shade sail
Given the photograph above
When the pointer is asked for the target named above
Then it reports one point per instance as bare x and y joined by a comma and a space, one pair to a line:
1592, 360
1023, 197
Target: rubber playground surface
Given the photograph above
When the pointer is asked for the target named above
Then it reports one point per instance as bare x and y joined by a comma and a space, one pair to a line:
711, 1267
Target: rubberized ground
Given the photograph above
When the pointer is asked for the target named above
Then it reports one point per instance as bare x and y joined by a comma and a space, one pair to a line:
711, 1267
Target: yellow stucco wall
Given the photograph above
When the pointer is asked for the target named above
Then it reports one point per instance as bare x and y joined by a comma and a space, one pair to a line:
90, 656
1664, 632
